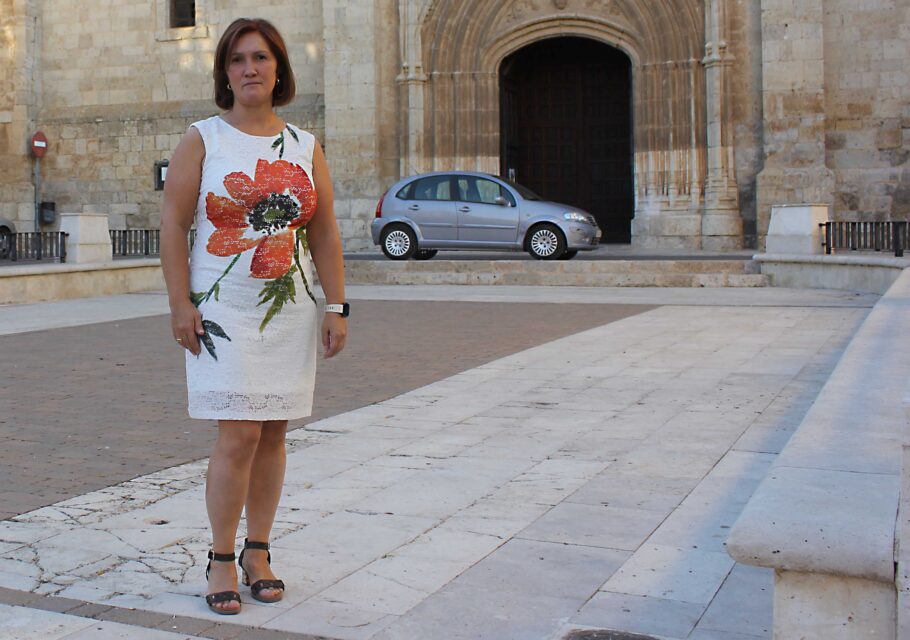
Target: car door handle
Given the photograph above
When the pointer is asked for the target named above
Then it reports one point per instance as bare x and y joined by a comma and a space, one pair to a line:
464, 208
414, 207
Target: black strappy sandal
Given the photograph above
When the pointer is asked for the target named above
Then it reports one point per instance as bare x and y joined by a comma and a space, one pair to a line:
213, 599
257, 587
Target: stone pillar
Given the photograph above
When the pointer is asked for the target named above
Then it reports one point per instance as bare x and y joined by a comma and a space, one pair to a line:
721, 225
352, 136
88, 237
412, 84
19, 52
793, 100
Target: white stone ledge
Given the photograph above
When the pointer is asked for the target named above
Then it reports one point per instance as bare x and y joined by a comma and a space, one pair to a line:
819, 521
40, 282
858, 260
860, 272
32, 269
829, 504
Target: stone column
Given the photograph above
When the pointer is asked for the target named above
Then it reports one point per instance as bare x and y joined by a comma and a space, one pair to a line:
721, 225
412, 83
793, 99
19, 59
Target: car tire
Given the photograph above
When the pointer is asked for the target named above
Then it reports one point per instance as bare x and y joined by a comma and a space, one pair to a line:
425, 254
569, 254
398, 242
545, 242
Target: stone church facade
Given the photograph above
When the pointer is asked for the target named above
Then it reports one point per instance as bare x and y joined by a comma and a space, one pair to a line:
678, 123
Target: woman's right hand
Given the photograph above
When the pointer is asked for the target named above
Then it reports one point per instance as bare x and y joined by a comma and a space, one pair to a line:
186, 325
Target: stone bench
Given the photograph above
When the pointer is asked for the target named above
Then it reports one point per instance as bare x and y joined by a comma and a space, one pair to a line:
825, 517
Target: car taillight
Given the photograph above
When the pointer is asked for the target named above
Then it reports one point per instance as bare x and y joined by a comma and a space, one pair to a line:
379, 207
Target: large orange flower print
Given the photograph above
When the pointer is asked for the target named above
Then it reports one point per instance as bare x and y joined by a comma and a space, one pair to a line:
262, 212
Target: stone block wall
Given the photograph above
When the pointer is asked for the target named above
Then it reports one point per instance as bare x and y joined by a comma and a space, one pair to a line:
114, 88
361, 56
103, 158
818, 97
18, 36
867, 46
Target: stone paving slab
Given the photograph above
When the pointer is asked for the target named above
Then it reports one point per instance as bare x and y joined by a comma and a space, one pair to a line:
449, 506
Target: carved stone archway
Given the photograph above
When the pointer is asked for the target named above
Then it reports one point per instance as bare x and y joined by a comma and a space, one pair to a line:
451, 51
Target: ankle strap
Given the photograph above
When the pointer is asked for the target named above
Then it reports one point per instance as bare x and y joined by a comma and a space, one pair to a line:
222, 557
263, 546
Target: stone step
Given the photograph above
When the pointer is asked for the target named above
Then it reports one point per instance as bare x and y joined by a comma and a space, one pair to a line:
587, 273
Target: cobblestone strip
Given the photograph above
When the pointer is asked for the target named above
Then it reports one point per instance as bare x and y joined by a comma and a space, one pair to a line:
146, 619
88, 407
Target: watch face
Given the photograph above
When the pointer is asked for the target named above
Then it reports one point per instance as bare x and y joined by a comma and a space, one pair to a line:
346, 311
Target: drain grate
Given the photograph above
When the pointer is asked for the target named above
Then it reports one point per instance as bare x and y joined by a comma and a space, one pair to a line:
606, 634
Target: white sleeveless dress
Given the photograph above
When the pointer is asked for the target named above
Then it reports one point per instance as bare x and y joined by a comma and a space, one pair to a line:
251, 276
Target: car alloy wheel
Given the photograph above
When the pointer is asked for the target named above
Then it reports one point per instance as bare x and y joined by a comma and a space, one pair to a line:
398, 242
544, 242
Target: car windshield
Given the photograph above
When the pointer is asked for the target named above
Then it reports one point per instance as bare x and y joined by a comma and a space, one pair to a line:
524, 192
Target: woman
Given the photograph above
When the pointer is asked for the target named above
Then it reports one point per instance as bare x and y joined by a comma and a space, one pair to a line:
242, 307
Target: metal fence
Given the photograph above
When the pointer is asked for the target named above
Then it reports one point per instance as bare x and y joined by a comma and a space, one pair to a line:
133, 243
138, 243
33, 246
865, 236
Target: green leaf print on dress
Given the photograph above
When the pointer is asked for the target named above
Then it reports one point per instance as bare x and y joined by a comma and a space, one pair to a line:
267, 213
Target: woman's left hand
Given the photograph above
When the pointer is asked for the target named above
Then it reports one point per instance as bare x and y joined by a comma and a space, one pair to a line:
334, 334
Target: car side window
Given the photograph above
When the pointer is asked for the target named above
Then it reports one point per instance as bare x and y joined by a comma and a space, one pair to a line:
481, 190
432, 188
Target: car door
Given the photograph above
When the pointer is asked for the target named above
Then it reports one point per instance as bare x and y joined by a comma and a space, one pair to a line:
428, 202
480, 217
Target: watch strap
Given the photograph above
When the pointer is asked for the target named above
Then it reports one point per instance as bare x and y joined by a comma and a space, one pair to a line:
338, 308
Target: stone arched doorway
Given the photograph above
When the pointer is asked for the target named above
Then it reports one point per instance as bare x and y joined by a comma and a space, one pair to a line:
684, 182
566, 127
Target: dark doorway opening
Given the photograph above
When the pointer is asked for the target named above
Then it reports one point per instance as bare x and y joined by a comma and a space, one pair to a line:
566, 127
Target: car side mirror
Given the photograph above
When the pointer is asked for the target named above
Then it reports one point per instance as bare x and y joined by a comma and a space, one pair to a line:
502, 202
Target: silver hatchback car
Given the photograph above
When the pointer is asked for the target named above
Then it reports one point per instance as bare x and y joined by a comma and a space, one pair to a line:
467, 210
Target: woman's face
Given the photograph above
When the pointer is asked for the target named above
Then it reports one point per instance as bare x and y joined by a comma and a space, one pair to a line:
252, 70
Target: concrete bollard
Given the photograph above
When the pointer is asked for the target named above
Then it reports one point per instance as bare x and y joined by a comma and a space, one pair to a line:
794, 229
89, 238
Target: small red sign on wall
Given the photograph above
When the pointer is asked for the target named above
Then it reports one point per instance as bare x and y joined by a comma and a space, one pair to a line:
39, 144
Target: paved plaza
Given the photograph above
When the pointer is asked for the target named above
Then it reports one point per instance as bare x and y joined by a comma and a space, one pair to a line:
485, 463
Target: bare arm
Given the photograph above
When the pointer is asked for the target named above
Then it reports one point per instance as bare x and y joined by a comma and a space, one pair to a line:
325, 246
181, 192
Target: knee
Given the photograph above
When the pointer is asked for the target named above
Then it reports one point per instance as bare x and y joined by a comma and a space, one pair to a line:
272, 436
238, 443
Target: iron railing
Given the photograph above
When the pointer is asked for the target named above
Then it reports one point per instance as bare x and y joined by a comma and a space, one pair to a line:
133, 243
865, 236
138, 243
33, 246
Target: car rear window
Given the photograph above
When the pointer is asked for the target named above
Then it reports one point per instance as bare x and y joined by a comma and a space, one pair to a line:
429, 188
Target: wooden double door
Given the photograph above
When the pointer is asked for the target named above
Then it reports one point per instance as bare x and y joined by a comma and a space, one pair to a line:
566, 128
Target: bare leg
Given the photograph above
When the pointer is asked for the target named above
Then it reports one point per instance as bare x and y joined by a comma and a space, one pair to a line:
266, 483
225, 493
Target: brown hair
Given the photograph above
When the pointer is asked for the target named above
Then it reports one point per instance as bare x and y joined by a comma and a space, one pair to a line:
284, 89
